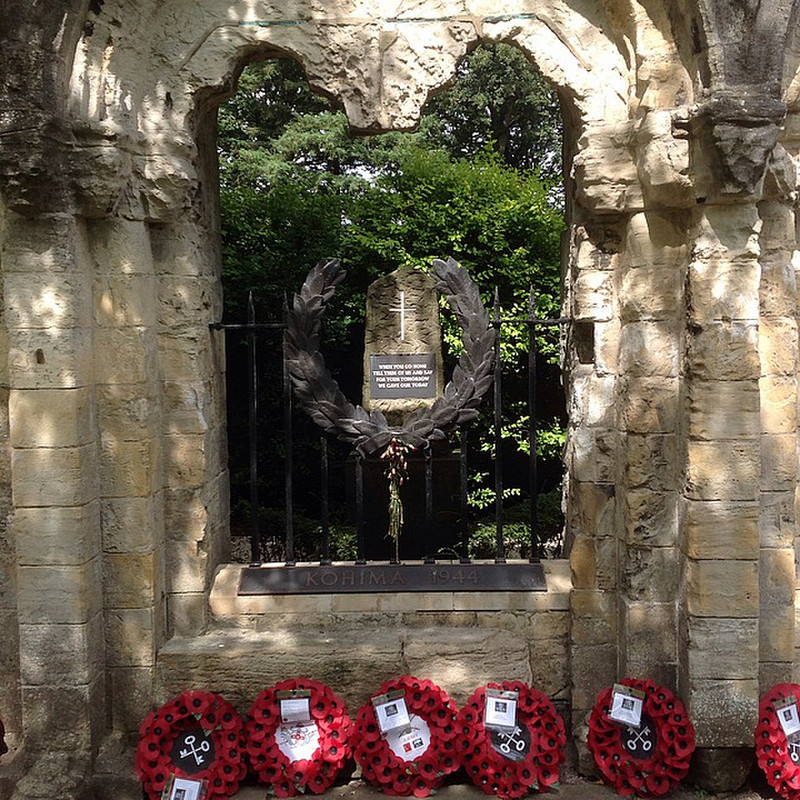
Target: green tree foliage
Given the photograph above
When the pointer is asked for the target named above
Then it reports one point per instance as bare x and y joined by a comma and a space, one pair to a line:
297, 186
499, 99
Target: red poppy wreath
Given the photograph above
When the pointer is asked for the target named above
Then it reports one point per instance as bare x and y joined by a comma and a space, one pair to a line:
648, 760
513, 761
777, 755
298, 736
197, 735
414, 757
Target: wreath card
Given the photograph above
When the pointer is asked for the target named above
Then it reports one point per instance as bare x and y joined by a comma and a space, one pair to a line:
626, 705
184, 789
391, 711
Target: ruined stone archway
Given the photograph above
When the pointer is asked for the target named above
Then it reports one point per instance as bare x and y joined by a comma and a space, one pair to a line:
675, 248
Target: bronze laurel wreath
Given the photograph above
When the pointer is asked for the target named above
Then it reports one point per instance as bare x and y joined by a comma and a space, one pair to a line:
320, 396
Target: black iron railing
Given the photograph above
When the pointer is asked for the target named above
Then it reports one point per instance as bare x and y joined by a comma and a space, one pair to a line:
253, 330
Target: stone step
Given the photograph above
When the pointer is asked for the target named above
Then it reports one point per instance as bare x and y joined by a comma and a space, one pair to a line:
353, 662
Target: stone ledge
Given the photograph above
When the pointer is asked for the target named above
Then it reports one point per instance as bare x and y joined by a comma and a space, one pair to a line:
353, 661
356, 642
227, 605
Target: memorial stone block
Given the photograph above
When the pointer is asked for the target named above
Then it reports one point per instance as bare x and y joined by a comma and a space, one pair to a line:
402, 344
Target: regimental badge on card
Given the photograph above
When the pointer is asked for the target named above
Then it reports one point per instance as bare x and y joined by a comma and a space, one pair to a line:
390, 710
411, 741
500, 711
626, 705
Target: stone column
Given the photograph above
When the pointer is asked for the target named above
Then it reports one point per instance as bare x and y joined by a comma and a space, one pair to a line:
778, 350
789, 531
721, 503
591, 471
652, 278
733, 138
195, 444
124, 291
10, 704
54, 476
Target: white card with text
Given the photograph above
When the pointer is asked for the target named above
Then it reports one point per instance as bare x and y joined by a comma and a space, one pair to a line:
184, 789
788, 716
391, 711
295, 709
501, 709
626, 706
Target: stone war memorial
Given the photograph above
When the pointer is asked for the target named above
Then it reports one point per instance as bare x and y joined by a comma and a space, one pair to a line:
117, 590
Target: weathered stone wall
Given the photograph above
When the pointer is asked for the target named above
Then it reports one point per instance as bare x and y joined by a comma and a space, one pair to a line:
354, 642
681, 367
779, 529
9, 627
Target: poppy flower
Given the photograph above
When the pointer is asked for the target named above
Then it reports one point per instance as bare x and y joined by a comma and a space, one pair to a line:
198, 702
422, 772
494, 769
775, 754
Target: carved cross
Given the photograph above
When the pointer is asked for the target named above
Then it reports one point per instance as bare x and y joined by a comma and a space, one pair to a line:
401, 307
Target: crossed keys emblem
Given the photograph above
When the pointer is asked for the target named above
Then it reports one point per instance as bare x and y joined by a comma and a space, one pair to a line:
513, 739
639, 739
191, 750
794, 751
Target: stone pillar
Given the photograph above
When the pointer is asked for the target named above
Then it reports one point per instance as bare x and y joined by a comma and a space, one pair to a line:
778, 352
195, 444
725, 448
788, 520
10, 703
124, 290
591, 470
649, 403
721, 502
54, 476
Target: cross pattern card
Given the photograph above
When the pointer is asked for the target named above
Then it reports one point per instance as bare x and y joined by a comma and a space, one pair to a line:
626, 705
391, 711
298, 741
512, 743
501, 709
295, 705
788, 717
193, 750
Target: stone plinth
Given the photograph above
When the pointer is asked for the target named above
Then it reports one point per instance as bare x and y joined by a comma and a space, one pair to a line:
402, 334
